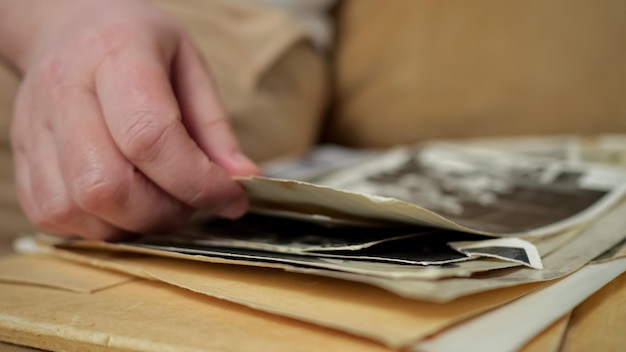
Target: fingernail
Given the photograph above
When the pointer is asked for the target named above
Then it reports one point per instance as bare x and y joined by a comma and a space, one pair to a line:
244, 165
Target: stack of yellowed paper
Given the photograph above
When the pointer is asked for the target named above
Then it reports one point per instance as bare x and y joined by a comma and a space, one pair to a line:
473, 245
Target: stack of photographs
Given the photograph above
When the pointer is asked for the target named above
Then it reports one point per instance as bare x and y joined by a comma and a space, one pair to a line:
436, 221
481, 244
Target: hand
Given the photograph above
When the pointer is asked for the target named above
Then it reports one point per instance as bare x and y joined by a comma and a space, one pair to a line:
117, 126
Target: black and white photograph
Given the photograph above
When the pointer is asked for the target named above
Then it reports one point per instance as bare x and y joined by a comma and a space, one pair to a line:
486, 189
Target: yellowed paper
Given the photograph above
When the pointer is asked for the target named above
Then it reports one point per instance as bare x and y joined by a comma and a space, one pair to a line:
515, 324
598, 323
50, 272
592, 241
351, 307
550, 339
152, 316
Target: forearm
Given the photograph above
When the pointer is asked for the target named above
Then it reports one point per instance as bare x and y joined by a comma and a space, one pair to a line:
24, 22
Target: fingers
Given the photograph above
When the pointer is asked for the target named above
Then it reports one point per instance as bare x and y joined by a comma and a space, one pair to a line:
43, 195
203, 115
102, 146
99, 180
142, 114
23, 185
72, 179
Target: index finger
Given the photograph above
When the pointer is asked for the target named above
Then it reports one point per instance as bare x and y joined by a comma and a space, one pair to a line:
203, 115
144, 120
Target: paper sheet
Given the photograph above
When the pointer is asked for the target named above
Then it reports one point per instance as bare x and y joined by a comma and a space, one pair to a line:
513, 325
355, 308
50, 272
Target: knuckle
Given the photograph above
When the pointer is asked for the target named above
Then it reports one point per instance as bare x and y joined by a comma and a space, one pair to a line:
112, 38
59, 210
212, 192
98, 190
145, 137
54, 71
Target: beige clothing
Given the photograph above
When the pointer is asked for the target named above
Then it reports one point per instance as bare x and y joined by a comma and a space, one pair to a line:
272, 83
312, 15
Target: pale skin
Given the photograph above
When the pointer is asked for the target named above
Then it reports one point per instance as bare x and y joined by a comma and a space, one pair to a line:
117, 127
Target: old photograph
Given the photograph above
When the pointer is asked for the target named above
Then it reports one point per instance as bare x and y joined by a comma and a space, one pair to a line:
485, 189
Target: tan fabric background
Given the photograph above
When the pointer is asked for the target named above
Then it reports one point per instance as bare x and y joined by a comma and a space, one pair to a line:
273, 84
12, 220
414, 69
